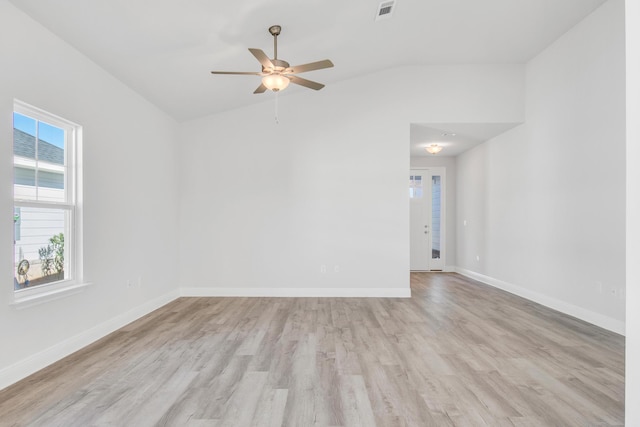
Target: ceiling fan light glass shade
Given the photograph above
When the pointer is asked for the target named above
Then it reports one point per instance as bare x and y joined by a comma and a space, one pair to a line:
275, 82
434, 149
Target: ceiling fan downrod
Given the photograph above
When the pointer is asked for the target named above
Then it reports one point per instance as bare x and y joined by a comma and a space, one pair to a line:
275, 30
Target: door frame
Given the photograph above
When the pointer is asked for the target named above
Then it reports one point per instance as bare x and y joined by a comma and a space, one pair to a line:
442, 172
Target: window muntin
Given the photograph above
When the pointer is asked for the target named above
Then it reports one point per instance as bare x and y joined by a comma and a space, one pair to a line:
45, 202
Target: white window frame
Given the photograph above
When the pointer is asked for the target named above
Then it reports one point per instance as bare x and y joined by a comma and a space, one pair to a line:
73, 212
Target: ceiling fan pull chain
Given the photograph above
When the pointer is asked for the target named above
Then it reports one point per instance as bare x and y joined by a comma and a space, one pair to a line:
276, 105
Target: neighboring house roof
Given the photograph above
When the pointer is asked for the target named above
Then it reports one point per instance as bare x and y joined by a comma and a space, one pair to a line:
24, 146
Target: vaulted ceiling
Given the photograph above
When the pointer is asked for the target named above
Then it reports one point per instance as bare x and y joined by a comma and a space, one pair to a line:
164, 49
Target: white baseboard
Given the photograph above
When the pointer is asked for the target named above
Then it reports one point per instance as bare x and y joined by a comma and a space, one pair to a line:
38, 361
298, 292
592, 317
446, 269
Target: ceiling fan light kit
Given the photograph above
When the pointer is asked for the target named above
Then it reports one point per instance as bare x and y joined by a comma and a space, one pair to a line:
276, 73
275, 82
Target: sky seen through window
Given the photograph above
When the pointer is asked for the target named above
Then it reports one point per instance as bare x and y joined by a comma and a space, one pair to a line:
51, 134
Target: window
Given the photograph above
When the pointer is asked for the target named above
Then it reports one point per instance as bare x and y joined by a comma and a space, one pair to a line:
45, 191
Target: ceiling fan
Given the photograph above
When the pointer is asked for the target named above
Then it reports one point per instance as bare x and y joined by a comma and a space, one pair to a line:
276, 73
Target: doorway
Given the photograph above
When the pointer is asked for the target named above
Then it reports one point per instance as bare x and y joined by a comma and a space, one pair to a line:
427, 219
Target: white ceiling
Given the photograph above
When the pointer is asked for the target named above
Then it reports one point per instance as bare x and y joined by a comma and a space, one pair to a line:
455, 138
164, 49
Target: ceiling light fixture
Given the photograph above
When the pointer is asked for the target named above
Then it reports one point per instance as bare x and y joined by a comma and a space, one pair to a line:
433, 148
275, 82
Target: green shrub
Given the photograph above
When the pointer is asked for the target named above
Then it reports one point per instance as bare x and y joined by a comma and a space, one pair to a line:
52, 256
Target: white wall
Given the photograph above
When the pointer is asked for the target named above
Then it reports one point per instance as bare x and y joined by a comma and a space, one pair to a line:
632, 394
545, 202
449, 163
130, 216
265, 205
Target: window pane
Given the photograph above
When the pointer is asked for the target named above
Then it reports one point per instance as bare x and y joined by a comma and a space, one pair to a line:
436, 209
39, 255
51, 180
51, 186
52, 135
415, 187
39, 160
24, 124
24, 176
24, 183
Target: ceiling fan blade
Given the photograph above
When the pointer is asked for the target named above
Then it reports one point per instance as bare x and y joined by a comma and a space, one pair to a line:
261, 89
306, 83
318, 65
243, 73
262, 58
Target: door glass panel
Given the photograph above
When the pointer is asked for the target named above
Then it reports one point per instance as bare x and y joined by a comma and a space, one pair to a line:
436, 220
415, 187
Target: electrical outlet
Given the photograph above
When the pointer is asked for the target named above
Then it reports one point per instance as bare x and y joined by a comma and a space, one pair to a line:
323, 268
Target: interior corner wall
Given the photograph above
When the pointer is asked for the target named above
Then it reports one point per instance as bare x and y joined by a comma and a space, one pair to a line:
317, 204
449, 163
544, 203
130, 213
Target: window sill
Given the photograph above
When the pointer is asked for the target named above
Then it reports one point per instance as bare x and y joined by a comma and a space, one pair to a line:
30, 299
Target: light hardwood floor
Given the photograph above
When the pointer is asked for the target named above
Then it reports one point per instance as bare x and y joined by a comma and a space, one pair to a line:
458, 353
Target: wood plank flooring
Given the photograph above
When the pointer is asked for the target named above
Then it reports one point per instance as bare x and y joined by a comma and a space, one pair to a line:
458, 353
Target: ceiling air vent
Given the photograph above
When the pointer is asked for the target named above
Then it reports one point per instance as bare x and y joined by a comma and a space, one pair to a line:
385, 10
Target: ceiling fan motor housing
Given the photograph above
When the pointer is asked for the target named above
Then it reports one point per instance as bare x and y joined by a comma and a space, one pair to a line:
278, 66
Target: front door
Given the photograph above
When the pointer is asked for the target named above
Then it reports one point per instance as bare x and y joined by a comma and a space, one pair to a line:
426, 195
